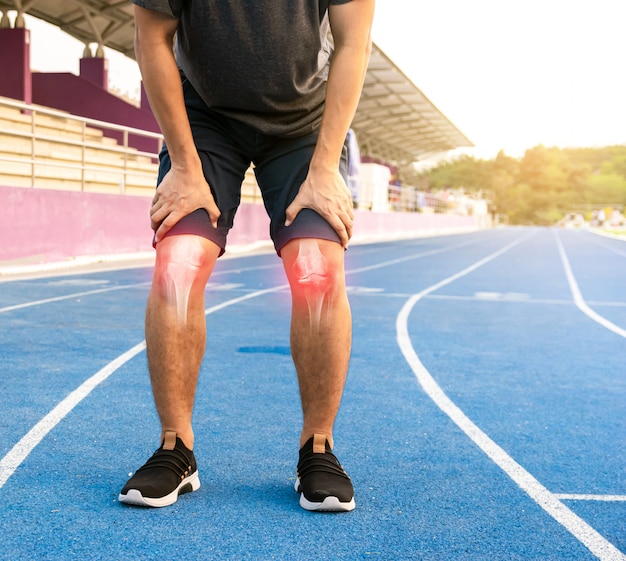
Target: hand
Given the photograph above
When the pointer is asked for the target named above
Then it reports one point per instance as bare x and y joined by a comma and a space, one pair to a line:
325, 192
179, 194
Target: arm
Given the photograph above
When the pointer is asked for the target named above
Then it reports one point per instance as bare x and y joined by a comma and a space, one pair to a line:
324, 189
184, 188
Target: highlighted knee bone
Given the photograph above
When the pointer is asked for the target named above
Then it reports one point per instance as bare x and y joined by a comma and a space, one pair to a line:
313, 279
183, 265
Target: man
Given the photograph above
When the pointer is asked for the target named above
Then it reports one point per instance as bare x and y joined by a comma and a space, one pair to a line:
250, 81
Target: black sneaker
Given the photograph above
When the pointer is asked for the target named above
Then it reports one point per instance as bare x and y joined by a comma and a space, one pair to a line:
170, 472
322, 482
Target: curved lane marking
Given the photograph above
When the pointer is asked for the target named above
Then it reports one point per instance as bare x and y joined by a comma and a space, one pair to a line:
20, 451
578, 297
594, 541
35, 435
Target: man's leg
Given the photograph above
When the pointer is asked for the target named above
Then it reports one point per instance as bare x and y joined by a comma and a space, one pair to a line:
175, 338
321, 329
321, 333
176, 328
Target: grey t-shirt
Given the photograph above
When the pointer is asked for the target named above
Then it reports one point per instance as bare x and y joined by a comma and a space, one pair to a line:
262, 62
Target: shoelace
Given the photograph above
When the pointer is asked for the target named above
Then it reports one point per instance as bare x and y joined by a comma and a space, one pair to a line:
174, 460
326, 463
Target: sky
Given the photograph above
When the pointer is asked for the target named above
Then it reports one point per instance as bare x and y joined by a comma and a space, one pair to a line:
509, 74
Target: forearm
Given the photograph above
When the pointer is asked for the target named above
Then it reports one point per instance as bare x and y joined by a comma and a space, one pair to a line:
183, 189
342, 97
351, 26
161, 80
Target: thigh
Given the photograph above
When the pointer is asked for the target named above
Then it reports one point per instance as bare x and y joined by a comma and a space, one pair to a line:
224, 166
280, 170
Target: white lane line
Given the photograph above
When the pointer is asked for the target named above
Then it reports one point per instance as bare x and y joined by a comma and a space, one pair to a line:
582, 531
583, 497
606, 246
215, 273
35, 435
223, 272
409, 257
578, 297
113, 288
609, 304
27, 443
70, 296
516, 300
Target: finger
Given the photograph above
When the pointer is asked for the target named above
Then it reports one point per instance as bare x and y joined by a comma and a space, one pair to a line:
349, 211
347, 224
154, 209
349, 229
157, 214
165, 226
344, 237
292, 211
214, 214
159, 233
154, 224
341, 230
348, 221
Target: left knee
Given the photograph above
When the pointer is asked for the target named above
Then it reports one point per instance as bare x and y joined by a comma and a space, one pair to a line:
312, 266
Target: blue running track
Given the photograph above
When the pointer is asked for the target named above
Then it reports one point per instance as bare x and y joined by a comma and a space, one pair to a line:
484, 416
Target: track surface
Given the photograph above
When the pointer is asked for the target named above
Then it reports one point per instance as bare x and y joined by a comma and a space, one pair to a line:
484, 415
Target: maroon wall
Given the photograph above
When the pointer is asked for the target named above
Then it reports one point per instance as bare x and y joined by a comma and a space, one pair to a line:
79, 96
15, 63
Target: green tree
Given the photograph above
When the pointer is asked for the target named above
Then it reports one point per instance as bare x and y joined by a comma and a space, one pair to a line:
502, 185
543, 185
466, 172
607, 189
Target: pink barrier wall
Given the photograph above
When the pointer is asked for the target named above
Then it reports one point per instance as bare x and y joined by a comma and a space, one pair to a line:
252, 225
379, 225
51, 225
42, 225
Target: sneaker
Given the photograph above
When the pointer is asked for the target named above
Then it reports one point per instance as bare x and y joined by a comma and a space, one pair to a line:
321, 481
170, 472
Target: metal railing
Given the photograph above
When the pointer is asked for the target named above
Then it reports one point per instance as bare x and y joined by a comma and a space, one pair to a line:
35, 159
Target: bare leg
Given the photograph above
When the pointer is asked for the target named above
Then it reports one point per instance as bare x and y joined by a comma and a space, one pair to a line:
321, 330
176, 328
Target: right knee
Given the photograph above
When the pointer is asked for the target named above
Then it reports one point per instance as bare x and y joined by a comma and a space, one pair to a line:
183, 264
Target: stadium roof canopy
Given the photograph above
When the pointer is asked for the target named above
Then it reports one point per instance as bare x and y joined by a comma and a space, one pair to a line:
395, 121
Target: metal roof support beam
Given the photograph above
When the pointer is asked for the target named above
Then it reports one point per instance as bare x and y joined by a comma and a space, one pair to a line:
392, 108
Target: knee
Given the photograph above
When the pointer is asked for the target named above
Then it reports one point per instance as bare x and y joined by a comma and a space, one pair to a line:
183, 261
313, 268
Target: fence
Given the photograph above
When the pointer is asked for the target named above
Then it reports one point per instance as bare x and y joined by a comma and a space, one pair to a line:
42, 147
46, 148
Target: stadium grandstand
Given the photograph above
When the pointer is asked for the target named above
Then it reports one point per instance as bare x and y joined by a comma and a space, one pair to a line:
74, 145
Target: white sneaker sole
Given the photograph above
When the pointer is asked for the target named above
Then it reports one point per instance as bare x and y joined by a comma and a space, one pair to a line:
134, 496
329, 504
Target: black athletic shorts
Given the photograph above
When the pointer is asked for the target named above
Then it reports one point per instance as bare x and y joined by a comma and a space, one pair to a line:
226, 148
